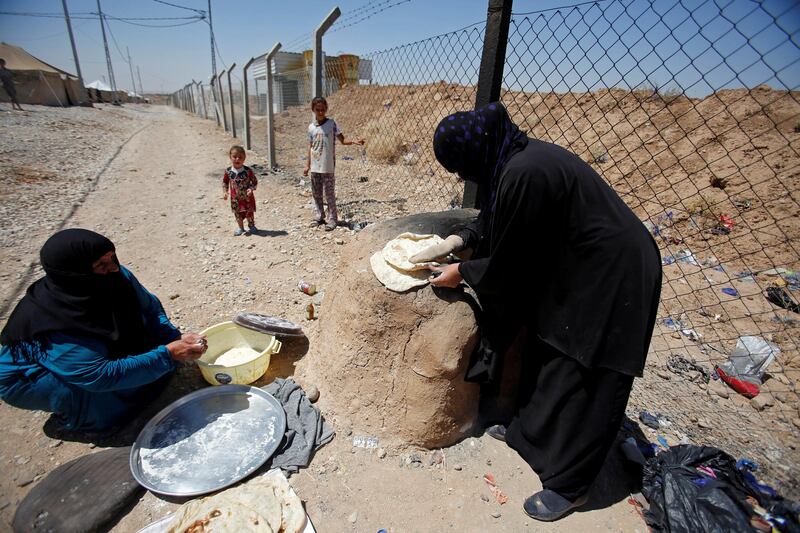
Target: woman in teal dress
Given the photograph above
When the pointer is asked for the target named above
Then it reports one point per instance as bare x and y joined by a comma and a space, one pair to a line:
87, 341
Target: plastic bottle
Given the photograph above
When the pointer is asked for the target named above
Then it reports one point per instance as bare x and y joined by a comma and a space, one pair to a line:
310, 311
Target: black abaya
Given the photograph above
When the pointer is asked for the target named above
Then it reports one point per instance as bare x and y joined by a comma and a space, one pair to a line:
568, 418
557, 252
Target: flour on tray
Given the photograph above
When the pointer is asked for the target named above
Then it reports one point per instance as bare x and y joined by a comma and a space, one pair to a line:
183, 452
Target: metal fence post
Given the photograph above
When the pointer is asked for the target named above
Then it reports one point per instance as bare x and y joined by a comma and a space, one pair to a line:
222, 101
270, 111
246, 104
490, 77
318, 64
230, 100
202, 99
190, 92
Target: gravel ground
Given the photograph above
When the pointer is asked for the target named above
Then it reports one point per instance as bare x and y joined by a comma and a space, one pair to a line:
50, 159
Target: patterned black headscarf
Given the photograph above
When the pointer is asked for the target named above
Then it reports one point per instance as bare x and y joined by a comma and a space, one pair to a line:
477, 144
72, 299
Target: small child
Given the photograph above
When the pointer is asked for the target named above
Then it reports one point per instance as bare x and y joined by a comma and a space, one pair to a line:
241, 182
321, 161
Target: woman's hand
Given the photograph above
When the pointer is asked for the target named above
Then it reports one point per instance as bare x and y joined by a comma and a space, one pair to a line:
450, 277
451, 244
249, 192
188, 348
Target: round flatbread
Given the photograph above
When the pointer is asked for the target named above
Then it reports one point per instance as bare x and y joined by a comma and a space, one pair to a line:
218, 514
398, 250
259, 498
394, 279
293, 516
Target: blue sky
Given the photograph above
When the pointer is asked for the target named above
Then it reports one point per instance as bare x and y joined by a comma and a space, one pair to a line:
170, 57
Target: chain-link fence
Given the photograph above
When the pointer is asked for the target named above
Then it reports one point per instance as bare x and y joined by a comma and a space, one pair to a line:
684, 109
392, 99
691, 113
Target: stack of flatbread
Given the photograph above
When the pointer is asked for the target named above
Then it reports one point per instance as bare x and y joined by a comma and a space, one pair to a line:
265, 504
392, 266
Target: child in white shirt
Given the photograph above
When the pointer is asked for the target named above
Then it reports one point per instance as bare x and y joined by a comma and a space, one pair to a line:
321, 161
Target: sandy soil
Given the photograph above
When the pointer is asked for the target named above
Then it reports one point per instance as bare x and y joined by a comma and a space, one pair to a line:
160, 201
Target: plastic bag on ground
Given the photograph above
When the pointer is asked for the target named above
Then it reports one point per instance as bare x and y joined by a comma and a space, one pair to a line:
685, 498
701, 488
750, 359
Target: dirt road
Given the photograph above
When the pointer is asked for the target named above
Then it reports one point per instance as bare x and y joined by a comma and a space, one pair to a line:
160, 202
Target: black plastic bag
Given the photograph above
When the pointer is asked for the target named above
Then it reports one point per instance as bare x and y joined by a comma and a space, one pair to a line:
684, 499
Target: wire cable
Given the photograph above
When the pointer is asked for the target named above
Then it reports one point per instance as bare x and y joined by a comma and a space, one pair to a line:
195, 21
92, 15
181, 7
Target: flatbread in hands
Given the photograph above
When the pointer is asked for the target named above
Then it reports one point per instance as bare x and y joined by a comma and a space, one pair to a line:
394, 279
398, 251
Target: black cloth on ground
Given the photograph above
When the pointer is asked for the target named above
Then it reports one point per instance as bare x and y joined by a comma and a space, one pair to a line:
568, 418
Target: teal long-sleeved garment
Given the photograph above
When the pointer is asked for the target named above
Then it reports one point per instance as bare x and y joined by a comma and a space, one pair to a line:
76, 379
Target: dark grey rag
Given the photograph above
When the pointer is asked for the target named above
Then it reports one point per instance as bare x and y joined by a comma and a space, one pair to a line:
306, 431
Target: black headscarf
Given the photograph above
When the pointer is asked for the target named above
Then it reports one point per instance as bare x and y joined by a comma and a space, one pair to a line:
477, 144
70, 298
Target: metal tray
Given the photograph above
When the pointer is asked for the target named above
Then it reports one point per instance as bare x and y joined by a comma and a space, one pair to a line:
271, 325
208, 440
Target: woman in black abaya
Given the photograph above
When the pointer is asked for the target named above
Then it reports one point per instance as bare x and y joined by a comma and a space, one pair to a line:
556, 251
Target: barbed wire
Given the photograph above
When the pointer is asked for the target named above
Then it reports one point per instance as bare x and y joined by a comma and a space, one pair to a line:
557, 8
364, 18
369, 10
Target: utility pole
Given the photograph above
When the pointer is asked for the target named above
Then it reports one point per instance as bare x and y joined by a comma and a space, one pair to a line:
213, 45
114, 97
130, 65
213, 66
139, 74
84, 96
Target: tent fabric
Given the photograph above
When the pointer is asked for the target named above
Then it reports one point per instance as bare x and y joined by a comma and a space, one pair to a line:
38, 82
19, 60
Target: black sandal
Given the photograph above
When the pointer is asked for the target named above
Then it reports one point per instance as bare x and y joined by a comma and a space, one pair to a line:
556, 507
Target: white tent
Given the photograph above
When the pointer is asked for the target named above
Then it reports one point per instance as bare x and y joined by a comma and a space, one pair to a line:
99, 91
99, 85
